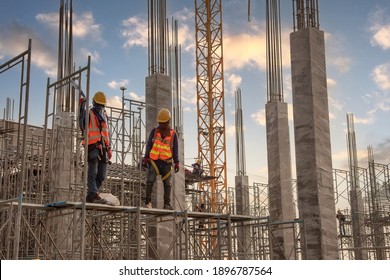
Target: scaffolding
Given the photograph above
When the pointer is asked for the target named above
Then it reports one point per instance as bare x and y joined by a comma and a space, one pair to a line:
374, 182
40, 219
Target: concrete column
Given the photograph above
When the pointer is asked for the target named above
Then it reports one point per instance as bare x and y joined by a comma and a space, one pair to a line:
243, 208
158, 96
178, 179
61, 178
312, 144
281, 202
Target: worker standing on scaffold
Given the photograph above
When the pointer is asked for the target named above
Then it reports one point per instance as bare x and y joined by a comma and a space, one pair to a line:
341, 217
161, 152
98, 141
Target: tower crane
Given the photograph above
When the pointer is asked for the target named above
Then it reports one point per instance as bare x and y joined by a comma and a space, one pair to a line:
210, 102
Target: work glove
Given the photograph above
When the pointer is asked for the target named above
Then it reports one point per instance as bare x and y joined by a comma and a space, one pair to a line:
109, 153
82, 100
145, 162
177, 167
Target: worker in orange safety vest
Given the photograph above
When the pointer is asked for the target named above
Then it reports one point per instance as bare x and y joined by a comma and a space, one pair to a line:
99, 146
161, 153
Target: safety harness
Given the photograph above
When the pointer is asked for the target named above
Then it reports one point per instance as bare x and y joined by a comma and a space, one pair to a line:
160, 148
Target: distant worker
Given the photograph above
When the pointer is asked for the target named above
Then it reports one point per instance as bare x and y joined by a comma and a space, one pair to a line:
162, 151
197, 168
341, 217
201, 208
98, 141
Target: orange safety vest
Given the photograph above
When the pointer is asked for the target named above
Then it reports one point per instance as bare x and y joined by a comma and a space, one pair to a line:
95, 132
162, 148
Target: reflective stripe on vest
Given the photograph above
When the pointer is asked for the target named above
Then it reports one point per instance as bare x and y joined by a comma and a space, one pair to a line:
94, 134
162, 148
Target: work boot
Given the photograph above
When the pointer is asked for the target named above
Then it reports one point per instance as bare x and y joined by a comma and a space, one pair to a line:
95, 198
99, 200
167, 197
148, 195
168, 207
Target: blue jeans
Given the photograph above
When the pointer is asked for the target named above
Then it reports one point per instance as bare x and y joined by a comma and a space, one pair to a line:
97, 170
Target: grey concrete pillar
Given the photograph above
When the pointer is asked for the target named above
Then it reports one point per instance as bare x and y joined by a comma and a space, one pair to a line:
62, 178
281, 202
312, 144
179, 195
243, 208
158, 96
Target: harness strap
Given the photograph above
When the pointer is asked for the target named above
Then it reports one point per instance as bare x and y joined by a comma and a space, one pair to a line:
158, 171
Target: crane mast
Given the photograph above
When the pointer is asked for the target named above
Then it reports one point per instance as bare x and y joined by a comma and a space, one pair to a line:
210, 102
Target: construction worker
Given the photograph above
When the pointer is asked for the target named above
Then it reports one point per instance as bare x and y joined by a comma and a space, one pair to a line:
200, 208
99, 148
196, 168
161, 153
341, 217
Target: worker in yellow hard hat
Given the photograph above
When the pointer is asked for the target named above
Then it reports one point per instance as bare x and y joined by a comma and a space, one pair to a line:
98, 144
161, 153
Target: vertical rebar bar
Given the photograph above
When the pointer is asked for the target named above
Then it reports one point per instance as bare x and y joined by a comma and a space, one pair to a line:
274, 52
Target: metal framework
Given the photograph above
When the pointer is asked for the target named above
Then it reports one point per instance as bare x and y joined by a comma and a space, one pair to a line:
240, 141
16, 158
44, 216
274, 52
374, 233
305, 14
210, 102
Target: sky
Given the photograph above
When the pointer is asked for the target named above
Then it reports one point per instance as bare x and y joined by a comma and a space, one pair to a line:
114, 34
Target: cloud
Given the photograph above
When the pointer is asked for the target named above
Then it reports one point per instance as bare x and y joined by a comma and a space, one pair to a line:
14, 41
378, 101
233, 81
135, 96
342, 63
336, 56
368, 120
230, 130
382, 37
15, 38
135, 32
382, 151
84, 25
82, 56
380, 29
335, 106
114, 101
331, 82
189, 94
249, 49
117, 85
243, 50
186, 29
259, 117
381, 76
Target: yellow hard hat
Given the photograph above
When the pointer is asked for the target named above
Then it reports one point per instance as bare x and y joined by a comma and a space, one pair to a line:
198, 161
100, 98
163, 116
